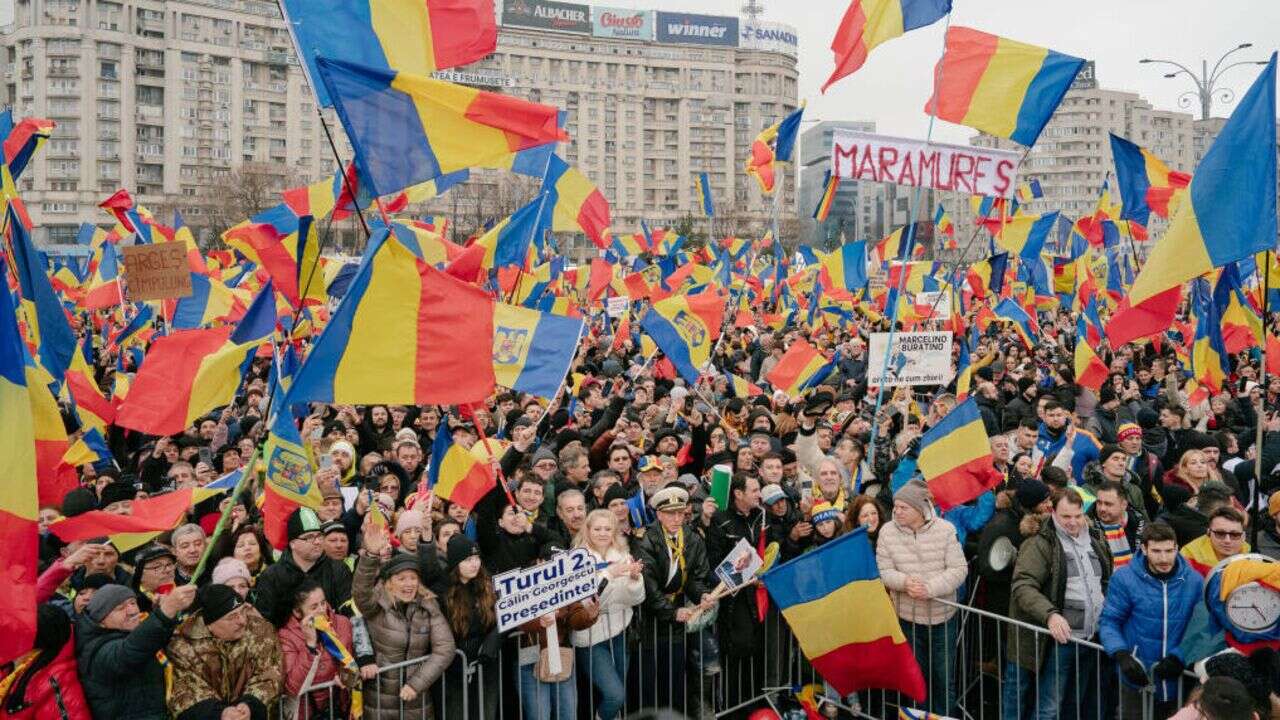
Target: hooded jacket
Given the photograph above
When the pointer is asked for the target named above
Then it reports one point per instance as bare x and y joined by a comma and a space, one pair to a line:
934, 554
1147, 616
121, 677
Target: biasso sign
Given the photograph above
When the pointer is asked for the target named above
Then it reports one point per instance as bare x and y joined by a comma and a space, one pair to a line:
689, 29
903, 161
769, 36
621, 23
547, 15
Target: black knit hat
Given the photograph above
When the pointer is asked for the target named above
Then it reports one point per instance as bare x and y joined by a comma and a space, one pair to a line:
303, 520
78, 501
615, 492
461, 547
399, 563
116, 492
216, 601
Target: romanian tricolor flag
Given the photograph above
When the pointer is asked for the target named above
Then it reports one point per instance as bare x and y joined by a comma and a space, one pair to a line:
740, 387
846, 267
704, 191
955, 457
838, 608
899, 243
1241, 323
577, 203
987, 276
1025, 325
22, 140
1146, 182
93, 408
440, 127
1025, 235
868, 23
1208, 351
943, 225
209, 302
1029, 190
830, 183
685, 328
290, 483
291, 259
41, 307
509, 241
19, 539
417, 36
999, 86
1090, 371
774, 144
190, 372
455, 474
802, 367
532, 350
405, 333
1230, 213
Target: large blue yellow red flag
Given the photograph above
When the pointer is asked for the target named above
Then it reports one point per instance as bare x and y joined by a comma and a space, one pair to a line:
846, 267
1090, 371
188, 373
289, 250
19, 539
209, 302
439, 127
686, 328
532, 350
290, 482
868, 23
987, 276
416, 36
46, 320
1025, 235
577, 203
1000, 86
800, 368
841, 615
1230, 211
455, 474
955, 457
22, 140
1146, 183
398, 301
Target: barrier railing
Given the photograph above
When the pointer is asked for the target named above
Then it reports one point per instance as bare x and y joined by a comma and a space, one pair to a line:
977, 664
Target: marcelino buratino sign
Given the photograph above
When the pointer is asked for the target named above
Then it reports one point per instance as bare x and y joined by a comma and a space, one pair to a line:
547, 15
689, 29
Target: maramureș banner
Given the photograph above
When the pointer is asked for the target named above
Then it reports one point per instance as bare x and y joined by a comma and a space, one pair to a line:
904, 161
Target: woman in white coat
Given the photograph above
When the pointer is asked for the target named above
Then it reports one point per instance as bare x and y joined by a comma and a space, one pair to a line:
602, 648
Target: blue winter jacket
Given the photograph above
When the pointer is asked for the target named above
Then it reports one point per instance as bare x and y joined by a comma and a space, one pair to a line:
1147, 616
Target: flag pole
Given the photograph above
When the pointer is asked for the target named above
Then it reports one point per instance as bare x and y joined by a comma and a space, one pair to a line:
1254, 495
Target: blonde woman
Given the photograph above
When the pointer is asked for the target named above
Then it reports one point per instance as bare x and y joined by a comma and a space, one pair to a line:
602, 648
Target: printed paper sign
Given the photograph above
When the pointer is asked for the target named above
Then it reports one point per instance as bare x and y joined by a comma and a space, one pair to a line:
918, 358
157, 272
939, 301
904, 161
617, 306
528, 593
740, 566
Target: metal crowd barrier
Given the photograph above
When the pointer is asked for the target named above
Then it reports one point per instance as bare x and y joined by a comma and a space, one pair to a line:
966, 662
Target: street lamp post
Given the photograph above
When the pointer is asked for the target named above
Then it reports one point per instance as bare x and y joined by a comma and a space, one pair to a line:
1207, 81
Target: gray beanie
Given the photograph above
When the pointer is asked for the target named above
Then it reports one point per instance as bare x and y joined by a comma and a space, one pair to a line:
105, 599
544, 453
916, 494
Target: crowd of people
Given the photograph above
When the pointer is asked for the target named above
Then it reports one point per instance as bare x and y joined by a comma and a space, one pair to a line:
1112, 508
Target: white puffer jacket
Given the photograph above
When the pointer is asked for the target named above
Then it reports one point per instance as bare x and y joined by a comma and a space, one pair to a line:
620, 595
934, 555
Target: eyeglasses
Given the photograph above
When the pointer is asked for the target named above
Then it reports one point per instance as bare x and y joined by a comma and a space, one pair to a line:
1227, 534
161, 566
311, 537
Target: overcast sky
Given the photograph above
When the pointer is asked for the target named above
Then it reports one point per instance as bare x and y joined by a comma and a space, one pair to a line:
892, 87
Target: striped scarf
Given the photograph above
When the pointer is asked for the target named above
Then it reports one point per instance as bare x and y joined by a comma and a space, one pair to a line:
1121, 552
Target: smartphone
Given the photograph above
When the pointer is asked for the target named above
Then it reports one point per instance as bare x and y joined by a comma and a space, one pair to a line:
326, 461
206, 456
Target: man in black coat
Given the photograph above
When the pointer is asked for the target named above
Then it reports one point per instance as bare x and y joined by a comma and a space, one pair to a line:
675, 583
305, 559
116, 652
741, 632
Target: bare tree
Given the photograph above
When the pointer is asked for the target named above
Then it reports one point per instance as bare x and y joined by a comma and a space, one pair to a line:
241, 193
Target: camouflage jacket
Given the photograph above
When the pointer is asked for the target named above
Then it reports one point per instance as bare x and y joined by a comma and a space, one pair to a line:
211, 674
